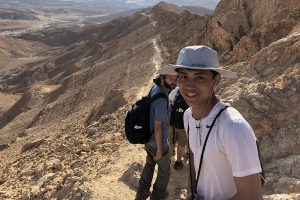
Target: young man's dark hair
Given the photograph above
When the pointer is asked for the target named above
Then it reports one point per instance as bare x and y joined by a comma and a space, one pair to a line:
214, 73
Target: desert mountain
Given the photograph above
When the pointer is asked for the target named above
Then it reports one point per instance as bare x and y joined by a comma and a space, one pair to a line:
91, 76
211, 4
198, 10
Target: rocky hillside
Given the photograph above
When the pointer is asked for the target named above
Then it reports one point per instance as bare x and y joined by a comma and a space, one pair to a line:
108, 67
239, 29
54, 145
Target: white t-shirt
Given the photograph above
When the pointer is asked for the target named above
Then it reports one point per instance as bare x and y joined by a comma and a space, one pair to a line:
230, 151
172, 95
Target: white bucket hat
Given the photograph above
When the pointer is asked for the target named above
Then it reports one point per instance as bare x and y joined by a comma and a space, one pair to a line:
201, 58
166, 70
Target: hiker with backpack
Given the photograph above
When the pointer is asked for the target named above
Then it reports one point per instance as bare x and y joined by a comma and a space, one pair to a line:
224, 158
177, 133
157, 147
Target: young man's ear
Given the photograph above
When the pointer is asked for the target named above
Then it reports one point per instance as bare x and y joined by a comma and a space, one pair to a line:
217, 79
217, 82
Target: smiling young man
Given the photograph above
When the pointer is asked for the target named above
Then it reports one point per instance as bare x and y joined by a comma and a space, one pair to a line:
231, 167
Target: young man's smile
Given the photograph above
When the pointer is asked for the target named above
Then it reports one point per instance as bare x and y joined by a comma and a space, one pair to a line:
196, 85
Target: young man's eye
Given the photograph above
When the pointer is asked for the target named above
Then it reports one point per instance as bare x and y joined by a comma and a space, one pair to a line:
198, 78
182, 77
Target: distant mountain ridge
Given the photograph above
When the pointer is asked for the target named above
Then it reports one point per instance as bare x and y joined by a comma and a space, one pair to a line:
198, 10
129, 4
202, 3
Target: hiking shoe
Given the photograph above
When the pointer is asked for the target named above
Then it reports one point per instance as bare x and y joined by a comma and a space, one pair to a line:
178, 165
142, 195
159, 196
173, 153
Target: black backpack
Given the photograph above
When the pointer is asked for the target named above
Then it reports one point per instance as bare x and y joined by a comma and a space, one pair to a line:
262, 173
177, 111
137, 121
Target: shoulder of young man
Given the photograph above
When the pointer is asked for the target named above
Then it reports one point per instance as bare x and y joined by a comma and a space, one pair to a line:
232, 122
156, 89
159, 101
173, 93
187, 115
231, 115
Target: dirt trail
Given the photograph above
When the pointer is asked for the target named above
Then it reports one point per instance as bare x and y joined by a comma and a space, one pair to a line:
121, 176
157, 61
157, 57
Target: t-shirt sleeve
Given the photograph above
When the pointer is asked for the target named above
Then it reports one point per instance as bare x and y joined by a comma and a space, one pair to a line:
160, 107
173, 94
239, 144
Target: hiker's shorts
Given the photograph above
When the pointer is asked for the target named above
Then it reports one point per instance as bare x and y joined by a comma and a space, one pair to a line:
177, 136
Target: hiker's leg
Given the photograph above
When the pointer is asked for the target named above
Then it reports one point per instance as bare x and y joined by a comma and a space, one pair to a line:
163, 175
186, 148
172, 140
182, 141
180, 152
147, 174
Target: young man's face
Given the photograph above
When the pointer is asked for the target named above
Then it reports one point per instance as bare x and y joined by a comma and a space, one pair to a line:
196, 86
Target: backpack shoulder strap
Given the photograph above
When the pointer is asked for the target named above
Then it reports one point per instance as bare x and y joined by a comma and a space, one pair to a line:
262, 173
203, 149
157, 96
149, 93
205, 142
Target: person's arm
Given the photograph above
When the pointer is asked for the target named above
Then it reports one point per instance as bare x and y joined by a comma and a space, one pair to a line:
239, 144
248, 187
158, 139
160, 117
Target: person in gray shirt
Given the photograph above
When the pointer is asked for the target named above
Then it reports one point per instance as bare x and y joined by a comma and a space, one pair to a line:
158, 147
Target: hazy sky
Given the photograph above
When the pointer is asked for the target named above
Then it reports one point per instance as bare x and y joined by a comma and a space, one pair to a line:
144, 3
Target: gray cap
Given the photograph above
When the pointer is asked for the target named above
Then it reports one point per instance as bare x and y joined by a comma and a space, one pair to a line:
200, 58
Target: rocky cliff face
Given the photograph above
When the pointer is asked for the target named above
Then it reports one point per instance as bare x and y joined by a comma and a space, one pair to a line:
267, 93
240, 25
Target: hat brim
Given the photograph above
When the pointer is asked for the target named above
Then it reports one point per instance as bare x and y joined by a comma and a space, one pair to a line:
167, 70
224, 73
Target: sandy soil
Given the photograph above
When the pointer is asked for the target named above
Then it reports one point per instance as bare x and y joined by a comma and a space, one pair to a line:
123, 173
